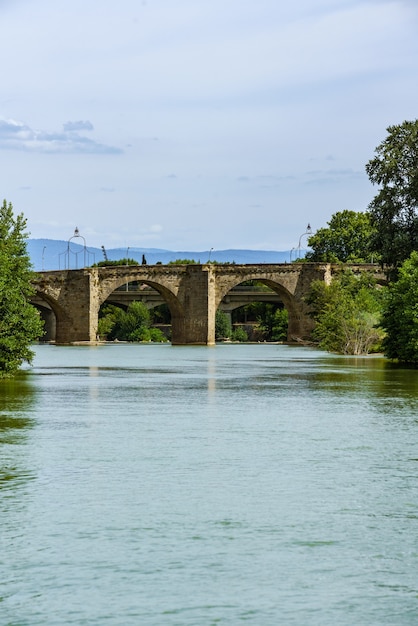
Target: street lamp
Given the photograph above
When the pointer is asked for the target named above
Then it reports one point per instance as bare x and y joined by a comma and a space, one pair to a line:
210, 252
43, 257
308, 231
127, 252
68, 252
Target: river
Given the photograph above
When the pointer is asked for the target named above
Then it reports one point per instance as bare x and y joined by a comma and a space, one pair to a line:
156, 485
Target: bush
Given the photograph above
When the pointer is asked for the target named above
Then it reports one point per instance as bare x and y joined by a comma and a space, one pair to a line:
222, 325
347, 314
132, 325
239, 334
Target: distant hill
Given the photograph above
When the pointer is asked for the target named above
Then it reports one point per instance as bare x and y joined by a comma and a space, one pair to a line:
53, 254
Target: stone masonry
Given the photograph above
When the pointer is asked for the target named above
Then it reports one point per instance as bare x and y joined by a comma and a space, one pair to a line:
192, 292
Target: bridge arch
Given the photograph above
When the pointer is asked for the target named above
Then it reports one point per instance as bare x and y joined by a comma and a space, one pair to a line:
168, 296
154, 277
54, 316
297, 319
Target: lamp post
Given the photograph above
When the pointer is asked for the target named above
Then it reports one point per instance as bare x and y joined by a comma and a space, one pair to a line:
68, 252
43, 257
127, 252
210, 252
308, 231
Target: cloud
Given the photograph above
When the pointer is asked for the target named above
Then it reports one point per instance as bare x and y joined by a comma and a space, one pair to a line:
15, 135
320, 177
80, 125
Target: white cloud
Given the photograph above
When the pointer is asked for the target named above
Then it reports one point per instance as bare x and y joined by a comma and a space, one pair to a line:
15, 135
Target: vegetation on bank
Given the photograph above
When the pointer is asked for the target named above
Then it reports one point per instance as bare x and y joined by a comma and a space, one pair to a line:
350, 319
347, 313
400, 314
20, 323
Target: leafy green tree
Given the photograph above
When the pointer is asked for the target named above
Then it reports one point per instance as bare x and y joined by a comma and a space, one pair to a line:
108, 316
222, 325
272, 322
131, 325
112, 263
347, 240
393, 211
20, 323
183, 262
267, 320
239, 334
400, 314
347, 314
136, 319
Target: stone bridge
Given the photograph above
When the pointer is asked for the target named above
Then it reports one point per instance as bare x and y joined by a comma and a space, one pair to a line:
192, 292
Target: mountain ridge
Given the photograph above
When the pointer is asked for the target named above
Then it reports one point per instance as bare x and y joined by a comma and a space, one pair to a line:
55, 254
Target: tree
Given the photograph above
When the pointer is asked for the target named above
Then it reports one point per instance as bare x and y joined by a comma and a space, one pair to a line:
393, 211
400, 314
112, 262
347, 314
223, 328
347, 239
20, 323
131, 325
183, 262
239, 334
273, 324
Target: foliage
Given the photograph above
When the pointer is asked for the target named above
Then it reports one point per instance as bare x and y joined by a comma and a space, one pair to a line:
393, 211
109, 263
347, 240
20, 323
270, 321
347, 313
183, 262
400, 314
239, 334
222, 325
273, 324
131, 325
161, 314
255, 283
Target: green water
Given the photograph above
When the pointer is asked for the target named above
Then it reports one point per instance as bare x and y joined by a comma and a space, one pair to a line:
161, 485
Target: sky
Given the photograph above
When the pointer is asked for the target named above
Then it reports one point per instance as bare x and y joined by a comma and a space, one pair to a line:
198, 124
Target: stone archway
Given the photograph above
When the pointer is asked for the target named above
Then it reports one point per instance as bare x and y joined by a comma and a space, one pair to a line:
168, 297
52, 314
300, 324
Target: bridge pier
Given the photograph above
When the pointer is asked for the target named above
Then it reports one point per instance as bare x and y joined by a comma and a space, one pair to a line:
196, 294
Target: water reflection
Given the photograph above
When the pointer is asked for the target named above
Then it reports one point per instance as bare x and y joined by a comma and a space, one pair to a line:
16, 400
375, 376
